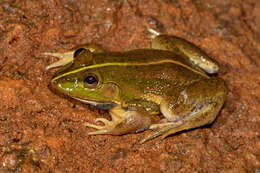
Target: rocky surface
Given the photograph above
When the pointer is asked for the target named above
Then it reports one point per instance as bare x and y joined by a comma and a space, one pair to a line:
44, 132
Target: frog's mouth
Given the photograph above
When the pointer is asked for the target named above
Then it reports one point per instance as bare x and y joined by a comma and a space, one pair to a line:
98, 104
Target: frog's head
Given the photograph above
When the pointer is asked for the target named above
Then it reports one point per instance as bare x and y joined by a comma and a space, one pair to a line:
81, 80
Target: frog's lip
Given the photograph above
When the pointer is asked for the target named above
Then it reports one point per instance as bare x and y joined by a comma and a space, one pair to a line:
94, 103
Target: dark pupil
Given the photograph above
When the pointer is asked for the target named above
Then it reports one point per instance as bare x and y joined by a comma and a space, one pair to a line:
91, 80
77, 52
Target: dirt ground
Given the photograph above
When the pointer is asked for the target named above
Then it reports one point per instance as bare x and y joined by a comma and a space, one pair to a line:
41, 131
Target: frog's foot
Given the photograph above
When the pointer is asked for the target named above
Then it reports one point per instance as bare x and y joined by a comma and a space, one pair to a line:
65, 58
108, 128
103, 120
162, 129
122, 122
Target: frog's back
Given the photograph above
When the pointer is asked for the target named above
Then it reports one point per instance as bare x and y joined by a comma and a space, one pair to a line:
147, 70
149, 62
138, 56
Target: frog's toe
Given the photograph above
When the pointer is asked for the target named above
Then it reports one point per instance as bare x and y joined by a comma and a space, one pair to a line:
99, 132
65, 58
109, 127
93, 126
103, 120
123, 122
176, 129
162, 129
60, 55
155, 133
59, 63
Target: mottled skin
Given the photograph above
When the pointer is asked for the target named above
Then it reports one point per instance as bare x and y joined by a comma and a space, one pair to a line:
137, 83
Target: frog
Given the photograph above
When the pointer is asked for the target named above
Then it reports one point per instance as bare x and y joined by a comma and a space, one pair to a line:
174, 78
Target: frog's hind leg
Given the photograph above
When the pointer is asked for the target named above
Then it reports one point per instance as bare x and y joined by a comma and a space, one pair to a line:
123, 122
189, 52
197, 105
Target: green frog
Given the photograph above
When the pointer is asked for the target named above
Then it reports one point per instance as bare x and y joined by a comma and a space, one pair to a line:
173, 78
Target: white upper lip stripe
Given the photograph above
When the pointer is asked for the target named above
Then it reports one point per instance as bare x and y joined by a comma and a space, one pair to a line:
95, 103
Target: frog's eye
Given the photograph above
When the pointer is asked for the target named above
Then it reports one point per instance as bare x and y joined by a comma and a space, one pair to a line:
78, 51
90, 81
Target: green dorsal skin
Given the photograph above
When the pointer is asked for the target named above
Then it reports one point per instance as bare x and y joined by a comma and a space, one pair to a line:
134, 58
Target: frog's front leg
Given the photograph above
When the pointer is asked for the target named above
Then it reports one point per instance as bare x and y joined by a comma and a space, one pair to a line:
64, 58
197, 105
67, 57
123, 122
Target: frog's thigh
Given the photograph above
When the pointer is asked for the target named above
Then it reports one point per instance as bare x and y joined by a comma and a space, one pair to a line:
123, 122
188, 51
195, 106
